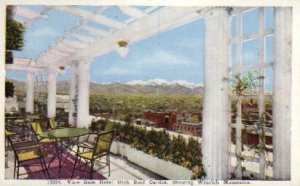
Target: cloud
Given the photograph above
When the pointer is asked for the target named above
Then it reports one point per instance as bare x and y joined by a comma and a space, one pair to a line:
191, 43
118, 71
162, 57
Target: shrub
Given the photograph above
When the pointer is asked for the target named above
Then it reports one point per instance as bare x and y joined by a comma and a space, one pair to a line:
160, 144
98, 125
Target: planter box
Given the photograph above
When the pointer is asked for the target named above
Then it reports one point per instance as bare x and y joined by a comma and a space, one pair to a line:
114, 148
119, 148
161, 167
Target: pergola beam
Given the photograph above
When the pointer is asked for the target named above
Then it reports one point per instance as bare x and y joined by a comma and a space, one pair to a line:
60, 47
83, 38
26, 68
91, 16
169, 18
95, 31
132, 12
74, 44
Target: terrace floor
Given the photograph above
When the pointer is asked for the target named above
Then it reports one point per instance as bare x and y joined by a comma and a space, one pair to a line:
120, 169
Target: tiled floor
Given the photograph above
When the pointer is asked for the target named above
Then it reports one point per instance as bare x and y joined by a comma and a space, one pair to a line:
120, 169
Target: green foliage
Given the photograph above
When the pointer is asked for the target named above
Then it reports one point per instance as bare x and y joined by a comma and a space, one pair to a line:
98, 125
9, 57
14, 35
75, 107
121, 105
243, 83
9, 89
176, 149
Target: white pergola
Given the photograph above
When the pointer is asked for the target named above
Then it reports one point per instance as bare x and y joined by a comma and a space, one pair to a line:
143, 24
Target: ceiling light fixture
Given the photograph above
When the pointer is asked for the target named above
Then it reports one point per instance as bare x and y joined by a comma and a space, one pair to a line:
122, 48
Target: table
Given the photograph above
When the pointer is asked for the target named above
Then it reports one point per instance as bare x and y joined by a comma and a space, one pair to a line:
18, 125
64, 133
61, 134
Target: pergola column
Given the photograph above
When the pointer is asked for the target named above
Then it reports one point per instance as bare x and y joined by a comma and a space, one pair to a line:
30, 92
51, 102
282, 95
83, 94
216, 128
73, 93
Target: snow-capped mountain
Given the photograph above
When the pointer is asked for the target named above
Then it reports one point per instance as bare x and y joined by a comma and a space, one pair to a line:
154, 86
163, 82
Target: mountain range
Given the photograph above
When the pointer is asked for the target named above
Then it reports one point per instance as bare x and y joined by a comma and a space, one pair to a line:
154, 86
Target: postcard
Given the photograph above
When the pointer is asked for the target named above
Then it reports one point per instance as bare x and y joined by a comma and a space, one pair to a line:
149, 92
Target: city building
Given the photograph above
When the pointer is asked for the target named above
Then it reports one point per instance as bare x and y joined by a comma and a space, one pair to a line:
162, 119
193, 128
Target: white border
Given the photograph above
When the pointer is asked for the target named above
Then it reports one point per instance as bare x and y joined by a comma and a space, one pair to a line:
295, 163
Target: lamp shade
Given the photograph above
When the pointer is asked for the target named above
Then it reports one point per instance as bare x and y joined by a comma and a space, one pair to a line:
123, 51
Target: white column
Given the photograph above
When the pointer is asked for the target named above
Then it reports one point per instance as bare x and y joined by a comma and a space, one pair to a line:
51, 102
216, 140
238, 67
30, 92
73, 93
282, 95
261, 98
83, 94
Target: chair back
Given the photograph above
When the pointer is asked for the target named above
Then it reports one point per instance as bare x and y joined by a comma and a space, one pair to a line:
13, 140
36, 128
21, 147
8, 133
103, 143
109, 126
53, 123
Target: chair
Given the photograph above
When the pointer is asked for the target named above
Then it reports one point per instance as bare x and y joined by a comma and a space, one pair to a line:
100, 149
90, 143
53, 123
26, 151
37, 130
8, 133
45, 142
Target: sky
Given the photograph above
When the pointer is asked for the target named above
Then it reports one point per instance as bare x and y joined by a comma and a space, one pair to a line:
177, 54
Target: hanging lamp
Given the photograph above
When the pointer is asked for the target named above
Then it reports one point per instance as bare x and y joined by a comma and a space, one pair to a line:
122, 48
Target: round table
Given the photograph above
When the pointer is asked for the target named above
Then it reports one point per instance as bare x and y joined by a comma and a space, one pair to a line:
63, 134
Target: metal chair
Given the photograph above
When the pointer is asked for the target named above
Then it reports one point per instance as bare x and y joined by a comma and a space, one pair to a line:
100, 149
48, 144
53, 123
56, 123
37, 130
25, 151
